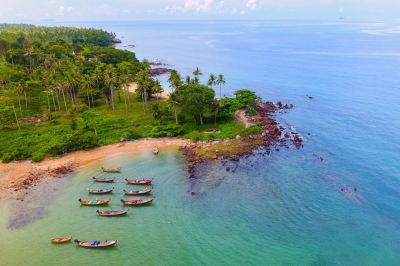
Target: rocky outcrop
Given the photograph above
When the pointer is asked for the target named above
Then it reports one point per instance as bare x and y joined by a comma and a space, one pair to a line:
159, 71
274, 136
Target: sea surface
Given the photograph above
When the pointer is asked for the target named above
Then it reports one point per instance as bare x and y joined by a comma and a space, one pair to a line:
335, 201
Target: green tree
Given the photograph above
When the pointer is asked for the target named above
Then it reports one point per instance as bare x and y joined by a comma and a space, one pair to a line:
197, 72
91, 119
111, 79
220, 81
212, 80
194, 99
246, 97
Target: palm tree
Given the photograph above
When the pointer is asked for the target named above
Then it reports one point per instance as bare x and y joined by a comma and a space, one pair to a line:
143, 80
87, 83
220, 81
211, 80
158, 89
197, 72
30, 52
111, 78
175, 81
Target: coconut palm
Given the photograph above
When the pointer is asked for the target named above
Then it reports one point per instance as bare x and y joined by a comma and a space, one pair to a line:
197, 72
158, 89
211, 80
220, 81
111, 79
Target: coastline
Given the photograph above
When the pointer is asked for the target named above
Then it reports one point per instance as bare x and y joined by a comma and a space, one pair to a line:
19, 176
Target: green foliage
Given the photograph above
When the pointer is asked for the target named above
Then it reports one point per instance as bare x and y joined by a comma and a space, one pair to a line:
251, 111
253, 130
247, 97
194, 99
227, 106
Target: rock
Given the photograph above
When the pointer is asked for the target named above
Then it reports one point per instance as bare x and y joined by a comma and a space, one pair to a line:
228, 168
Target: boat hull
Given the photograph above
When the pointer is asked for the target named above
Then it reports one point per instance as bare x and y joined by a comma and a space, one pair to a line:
112, 213
138, 181
59, 240
94, 202
137, 202
96, 244
138, 192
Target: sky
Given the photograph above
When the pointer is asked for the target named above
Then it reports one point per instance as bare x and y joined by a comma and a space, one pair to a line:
130, 10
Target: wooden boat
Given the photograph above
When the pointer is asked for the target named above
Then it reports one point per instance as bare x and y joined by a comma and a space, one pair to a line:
94, 202
138, 181
100, 191
112, 213
138, 192
137, 201
155, 150
59, 240
106, 180
112, 170
96, 244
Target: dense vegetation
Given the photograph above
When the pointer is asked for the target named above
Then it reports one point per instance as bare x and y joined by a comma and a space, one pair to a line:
65, 89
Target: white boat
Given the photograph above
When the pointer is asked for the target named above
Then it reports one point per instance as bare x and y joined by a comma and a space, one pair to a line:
155, 150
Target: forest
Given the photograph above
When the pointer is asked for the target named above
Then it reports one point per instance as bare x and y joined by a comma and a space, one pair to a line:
66, 89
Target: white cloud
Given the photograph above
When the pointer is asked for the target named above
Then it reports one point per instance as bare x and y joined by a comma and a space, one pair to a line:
341, 9
252, 4
62, 10
126, 11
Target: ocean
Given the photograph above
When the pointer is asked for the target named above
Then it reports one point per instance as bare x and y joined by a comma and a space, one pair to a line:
336, 201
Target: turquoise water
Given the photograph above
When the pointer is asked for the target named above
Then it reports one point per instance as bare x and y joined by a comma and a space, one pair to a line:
288, 208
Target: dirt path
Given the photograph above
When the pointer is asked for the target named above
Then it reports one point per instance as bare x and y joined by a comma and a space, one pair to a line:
241, 116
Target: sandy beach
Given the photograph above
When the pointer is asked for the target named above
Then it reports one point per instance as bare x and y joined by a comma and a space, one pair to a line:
19, 176
164, 95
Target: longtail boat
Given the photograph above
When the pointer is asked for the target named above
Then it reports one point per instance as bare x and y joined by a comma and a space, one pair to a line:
96, 244
112, 170
138, 181
138, 192
155, 150
59, 240
104, 180
112, 213
94, 202
100, 191
137, 201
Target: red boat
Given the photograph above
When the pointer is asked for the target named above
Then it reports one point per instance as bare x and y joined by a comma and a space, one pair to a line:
137, 201
138, 181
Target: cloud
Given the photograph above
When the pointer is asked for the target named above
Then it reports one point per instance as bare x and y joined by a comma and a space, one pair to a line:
126, 11
62, 10
341, 9
252, 4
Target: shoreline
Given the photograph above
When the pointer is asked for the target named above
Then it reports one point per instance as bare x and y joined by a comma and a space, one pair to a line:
19, 176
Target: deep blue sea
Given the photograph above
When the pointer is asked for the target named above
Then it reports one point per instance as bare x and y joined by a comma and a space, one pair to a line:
336, 201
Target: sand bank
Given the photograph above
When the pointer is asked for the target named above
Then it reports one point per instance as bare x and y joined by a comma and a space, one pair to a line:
19, 176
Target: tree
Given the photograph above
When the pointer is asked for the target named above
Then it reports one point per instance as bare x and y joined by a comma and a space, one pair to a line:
220, 82
194, 99
143, 82
111, 78
247, 98
91, 119
197, 72
174, 81
212, 80
158, 89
